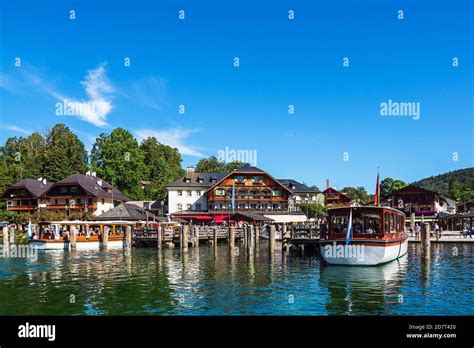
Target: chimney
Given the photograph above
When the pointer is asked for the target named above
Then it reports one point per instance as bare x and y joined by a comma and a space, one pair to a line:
40, 179
327, 183
44, 181
88, 172
94, 174
190, 169
99, 182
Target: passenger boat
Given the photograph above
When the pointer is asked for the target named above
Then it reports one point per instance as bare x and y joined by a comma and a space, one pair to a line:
56, 234
364, 235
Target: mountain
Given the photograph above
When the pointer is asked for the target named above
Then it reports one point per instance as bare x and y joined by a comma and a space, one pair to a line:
458, 184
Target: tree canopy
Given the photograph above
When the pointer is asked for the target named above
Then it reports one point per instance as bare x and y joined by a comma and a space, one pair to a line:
213, 165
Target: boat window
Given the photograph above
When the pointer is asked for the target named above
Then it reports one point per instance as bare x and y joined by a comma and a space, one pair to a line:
371, 223
386, 222
339, 223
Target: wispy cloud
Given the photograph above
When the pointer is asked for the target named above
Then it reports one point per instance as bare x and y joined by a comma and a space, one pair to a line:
172, 137
15, 129
149, 91
97, 87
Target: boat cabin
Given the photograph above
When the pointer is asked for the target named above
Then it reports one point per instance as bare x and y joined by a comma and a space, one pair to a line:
367, 223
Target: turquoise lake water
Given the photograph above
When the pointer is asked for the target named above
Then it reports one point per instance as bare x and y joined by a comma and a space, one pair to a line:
207, 281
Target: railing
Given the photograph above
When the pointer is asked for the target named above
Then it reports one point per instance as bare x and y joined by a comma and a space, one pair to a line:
70, 207
22, 207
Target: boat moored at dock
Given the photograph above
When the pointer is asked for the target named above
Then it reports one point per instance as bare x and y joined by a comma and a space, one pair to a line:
56, 235
364, 235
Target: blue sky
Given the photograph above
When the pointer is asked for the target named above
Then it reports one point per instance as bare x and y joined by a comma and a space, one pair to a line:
282, 62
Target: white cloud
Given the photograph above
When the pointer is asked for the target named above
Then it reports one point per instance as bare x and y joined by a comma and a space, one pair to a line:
97, 86
171, 137
149, 91
15, 129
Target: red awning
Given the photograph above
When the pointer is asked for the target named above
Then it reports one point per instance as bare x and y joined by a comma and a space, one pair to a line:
196, 217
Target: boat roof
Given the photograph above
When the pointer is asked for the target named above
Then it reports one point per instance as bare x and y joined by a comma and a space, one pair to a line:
371, 207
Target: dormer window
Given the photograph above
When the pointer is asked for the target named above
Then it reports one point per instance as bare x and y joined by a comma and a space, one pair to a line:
239, 179
187, 179
200, 179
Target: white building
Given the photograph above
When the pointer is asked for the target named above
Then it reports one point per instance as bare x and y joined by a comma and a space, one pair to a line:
188, 193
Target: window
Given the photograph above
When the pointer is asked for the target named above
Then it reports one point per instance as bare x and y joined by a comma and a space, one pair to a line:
63, 189
220, 192
180, 193
187, 179
257, 178
198, 206
387, 222
198, 193
56, 202
265, 193
242, 193
73, 189
189, 206
253, 193
179, 207
253, 206
103, 200
239, 179
190, 193
277, 192
146, 205
264, 206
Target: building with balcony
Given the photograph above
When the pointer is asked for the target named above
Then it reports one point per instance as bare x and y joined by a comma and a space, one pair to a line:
424, 203
24, 196
334, 198
247, 190
82, 193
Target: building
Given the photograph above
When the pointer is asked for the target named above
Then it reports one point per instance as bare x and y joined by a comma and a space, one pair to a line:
334, 198
188, 193
127, 212
257, 195
157, 207
82, 193
424, 203
24, 196
301, 194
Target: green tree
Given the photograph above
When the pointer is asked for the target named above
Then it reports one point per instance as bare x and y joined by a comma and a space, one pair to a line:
358, 193
117, 158
313, 210
64, 154
213, 165
163, 165
388, 186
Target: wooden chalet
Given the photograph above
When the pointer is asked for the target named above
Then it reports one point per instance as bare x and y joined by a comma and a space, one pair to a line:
24, 196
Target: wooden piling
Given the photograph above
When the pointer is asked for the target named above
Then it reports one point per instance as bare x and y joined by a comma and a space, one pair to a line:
250, 245
196, 236
425, 240
159, 237
257, 236
105, 236
128, 237
246, 235
215, 230
232, 240
72, 237
184, 239
12, 235
271, 240
285, 239
5, 236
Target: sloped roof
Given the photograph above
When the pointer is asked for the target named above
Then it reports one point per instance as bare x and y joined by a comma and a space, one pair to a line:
248, 168
208, 179
35, 187
296, 186
91, 185
127, 212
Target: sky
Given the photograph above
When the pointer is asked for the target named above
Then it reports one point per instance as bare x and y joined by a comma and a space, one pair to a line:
335, 63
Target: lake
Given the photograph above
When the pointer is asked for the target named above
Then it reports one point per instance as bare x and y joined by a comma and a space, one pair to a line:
207, 281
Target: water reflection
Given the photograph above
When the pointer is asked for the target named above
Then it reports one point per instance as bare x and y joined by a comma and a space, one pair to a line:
354, 290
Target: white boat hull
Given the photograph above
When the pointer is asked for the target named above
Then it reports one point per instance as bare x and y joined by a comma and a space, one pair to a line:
80, 245
360, 254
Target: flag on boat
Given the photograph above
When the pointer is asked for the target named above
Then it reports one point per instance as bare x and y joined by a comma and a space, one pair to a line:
377, 190
29, 232
349, 228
